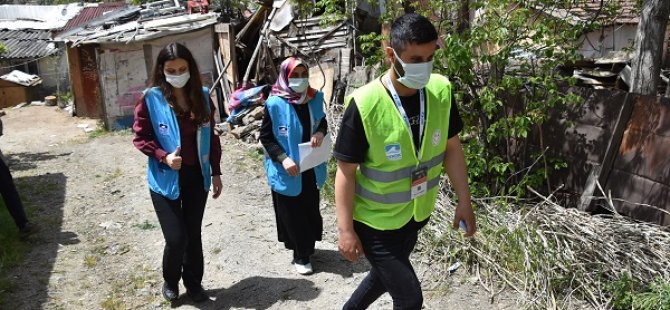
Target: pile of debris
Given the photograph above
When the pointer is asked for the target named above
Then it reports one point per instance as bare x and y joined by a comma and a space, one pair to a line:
272, 33
248, 125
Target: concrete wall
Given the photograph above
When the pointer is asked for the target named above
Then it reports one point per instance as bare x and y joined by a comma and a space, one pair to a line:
53, 71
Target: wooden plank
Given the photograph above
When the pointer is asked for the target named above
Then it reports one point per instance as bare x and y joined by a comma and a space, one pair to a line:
227, 44
317, 81
346, 62
322, 46
314, 31
255, 22
12, 95
314, 37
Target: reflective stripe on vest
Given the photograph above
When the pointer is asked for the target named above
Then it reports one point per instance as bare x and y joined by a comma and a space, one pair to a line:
392, 176
391, 198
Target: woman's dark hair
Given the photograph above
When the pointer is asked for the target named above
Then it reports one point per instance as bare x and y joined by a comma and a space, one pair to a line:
192, 89
411, 28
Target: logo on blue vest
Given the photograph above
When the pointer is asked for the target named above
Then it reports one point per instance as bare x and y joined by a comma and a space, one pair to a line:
163, 129
283, 131
393, 151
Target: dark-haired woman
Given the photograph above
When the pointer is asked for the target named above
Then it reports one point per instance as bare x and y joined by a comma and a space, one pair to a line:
174, 127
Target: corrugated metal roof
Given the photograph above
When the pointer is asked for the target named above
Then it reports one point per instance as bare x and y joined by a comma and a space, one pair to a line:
92, 12
140, 30
26, 43
13, 16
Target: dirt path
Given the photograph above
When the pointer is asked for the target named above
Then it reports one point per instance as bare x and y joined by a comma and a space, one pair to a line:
100, 245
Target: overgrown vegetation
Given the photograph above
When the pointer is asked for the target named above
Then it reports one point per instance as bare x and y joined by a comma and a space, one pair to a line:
553, 257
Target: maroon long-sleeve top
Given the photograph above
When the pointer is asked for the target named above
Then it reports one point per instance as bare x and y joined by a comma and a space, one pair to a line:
146, 142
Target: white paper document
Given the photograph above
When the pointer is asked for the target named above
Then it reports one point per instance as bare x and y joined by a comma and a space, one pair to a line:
311, 157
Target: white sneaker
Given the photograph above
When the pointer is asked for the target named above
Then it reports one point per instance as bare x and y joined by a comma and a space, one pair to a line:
303, 269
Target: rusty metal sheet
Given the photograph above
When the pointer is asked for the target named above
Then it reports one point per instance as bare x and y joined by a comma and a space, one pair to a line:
85, 81
580, 134
637, 196
640, 174
645, 147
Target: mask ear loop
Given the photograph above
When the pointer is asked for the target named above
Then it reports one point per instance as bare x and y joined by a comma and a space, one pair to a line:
398, 65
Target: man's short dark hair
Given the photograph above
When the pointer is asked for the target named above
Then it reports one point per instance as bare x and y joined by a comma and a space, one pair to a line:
411, 28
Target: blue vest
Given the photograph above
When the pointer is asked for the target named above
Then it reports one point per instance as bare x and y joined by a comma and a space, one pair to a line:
287, 129
162, 179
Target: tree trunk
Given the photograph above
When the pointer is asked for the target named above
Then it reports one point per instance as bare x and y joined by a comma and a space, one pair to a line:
463, 22
646, 64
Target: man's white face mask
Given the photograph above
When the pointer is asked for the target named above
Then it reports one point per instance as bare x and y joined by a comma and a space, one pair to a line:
178, 81
416, 75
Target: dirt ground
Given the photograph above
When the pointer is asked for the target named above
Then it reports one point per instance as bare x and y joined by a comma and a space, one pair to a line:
100, 245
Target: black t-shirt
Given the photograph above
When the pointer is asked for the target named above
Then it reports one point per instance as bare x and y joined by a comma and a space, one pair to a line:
352, 143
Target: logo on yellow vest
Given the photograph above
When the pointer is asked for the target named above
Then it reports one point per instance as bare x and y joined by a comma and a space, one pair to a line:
393, 151
436, 137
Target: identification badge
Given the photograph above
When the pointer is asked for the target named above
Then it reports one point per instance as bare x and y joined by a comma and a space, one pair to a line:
419, 182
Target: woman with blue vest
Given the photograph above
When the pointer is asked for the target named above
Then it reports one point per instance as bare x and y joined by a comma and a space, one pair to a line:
294, 114
173, 127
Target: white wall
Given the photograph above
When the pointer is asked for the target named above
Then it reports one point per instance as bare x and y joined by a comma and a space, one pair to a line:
200, 43
125, 70
612, 38
122, 78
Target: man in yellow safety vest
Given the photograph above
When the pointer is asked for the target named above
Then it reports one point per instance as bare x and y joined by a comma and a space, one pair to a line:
397, 134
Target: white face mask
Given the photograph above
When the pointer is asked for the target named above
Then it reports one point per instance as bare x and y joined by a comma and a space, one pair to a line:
416, 75
178, 81
298, 85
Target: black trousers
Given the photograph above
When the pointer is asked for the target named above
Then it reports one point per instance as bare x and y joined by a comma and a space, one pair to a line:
181, 222
299, 221
11, 196
388, 253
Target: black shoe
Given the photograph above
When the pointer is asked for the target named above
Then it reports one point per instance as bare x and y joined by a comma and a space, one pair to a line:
28, 230
169, 293
198, 294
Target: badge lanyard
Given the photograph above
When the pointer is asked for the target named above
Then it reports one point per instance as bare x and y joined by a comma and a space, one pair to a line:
422, 113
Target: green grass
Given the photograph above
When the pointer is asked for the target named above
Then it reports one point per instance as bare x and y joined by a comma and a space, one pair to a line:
113, 303
256, 155
328, 190
12, 251
629, 294
146, 225
113, 175
91, 261
98, 132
